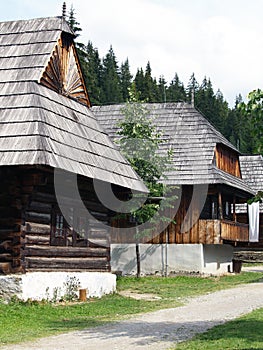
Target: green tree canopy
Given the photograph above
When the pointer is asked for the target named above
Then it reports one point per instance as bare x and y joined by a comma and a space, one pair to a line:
253, 109
139, 143
110, 79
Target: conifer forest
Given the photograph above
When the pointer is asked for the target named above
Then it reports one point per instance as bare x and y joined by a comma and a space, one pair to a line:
108, 82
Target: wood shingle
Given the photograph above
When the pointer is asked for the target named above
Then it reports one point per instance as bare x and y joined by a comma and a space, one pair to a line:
45, 126
192, 138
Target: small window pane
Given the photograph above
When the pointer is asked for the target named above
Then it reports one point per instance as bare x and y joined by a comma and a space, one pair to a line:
59, 225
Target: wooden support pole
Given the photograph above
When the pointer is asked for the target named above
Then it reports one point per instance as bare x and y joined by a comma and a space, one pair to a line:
234, 209
220, 206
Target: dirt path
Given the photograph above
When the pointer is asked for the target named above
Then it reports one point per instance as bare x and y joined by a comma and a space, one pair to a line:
161, 329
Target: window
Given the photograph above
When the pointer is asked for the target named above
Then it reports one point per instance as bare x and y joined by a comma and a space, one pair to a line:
72, 233
81, 229
58, 229
59, 225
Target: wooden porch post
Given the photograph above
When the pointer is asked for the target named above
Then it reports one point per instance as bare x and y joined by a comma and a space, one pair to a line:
234, 209
220, 205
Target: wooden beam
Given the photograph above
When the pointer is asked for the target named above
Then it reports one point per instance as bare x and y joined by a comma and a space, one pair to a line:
220, 206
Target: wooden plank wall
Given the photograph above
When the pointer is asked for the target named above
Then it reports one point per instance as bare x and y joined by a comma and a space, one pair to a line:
227, 160
234, 231
202, 231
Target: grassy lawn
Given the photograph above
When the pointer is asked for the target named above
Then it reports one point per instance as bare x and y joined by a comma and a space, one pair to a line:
21, 321
242, 333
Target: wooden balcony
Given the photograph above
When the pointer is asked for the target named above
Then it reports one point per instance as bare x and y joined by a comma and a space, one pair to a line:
214, 231
234, 231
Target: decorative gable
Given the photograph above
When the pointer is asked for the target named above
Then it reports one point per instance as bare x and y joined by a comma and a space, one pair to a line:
63, 72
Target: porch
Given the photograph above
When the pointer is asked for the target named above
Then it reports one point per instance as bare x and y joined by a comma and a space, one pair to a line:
234, 231
217, 231
204, 231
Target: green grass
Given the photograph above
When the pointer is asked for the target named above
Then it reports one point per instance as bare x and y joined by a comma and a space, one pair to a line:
252, 264
241, 334
25, 321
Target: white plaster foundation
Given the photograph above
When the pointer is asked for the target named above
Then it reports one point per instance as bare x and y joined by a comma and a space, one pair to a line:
162, 259
46, 285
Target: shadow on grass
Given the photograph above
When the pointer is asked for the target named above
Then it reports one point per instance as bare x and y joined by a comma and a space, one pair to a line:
68, 325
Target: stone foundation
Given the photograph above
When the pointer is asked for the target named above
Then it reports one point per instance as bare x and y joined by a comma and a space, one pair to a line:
52, 285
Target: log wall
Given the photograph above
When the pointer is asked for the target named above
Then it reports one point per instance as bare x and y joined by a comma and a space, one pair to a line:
10, 222
28, 201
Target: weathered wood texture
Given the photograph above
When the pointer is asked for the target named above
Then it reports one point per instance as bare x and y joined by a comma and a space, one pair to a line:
28, 199
252, 173
234, 231
193, 141
63, 73
247, 254
10, 221
189, 226
227, 160
45, 116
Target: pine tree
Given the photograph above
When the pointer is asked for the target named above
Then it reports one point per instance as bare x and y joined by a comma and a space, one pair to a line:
205, 100
125, 79
176, 91
140, 84
221, 110
93, 68
162, 90
110, 79
150, 85
192, 88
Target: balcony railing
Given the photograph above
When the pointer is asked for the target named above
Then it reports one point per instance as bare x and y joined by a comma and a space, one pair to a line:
234, 231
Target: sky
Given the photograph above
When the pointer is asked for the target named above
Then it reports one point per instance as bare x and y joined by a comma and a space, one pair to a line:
218, 39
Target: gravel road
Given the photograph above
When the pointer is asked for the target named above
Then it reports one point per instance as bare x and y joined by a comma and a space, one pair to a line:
161, 329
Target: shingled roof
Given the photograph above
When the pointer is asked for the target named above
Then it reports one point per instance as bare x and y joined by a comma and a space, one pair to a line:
252, 172
190, 135
45, 117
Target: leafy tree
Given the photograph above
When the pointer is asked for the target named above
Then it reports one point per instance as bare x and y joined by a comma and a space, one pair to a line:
253, 110
139, 142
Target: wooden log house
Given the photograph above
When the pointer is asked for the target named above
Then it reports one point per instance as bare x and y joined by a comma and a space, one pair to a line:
204, 164
46, 124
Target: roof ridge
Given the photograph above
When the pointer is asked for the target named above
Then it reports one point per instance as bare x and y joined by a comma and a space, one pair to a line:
30, 19
63, 25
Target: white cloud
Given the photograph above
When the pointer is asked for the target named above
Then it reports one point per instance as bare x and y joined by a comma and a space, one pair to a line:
220, 39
